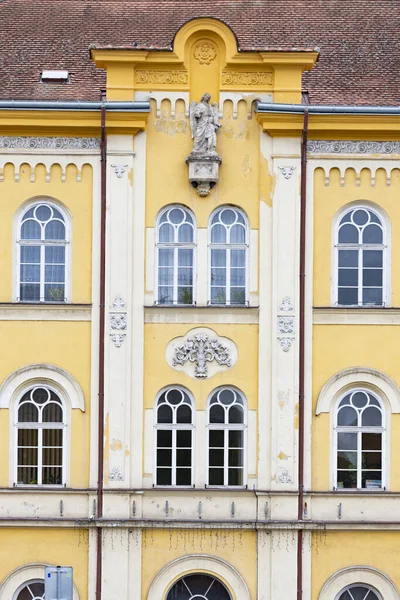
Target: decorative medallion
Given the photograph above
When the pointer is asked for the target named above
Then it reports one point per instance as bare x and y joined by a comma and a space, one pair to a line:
287, 172
118, 339
286, 325
201, 353
205, 52
119, 302
118, 321
286, 304
119, 170
241, 78
161, 77
115, 474
285, 342
284, 476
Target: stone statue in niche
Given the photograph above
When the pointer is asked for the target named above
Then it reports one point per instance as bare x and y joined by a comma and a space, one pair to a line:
204, 161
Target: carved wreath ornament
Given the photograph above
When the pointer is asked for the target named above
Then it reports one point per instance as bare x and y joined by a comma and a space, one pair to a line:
201, 349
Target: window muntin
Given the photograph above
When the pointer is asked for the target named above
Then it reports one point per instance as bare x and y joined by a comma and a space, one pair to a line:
33, 590
358, 592
360, 248
226, 438
175, 256
228, 257
40, 438
174, 438
42, 255
359, 435
198, 586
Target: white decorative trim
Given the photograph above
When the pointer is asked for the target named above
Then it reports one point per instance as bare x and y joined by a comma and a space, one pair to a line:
286, 325
22, 575
287, 172
379, 382
285, 343
201, 348
118, 321
198, 563
118, 339
359, 574
352, 147
49, 143
119, 302
286, 304
43, 373
119, 170
116, 474
285, 477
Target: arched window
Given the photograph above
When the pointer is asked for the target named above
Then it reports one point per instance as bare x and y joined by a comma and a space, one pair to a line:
175, 256
228, 257
358, 592
33, 590
360, 246
174, 438
359, 436
198, 586
226, 438
42, 242
40, 432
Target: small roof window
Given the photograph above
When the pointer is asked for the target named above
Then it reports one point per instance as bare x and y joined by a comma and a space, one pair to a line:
56, 76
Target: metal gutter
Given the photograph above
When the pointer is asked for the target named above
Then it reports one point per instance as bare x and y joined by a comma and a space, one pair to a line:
330, 109
77, 105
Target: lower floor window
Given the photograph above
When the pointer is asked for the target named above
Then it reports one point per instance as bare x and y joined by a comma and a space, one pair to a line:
34, 590
198, 587
358, 592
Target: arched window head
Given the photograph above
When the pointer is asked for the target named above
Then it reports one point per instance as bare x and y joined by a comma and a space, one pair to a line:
228, 257
40, 433
175, 256
359, 441
360, 247
358, 592
42, 241
174, 438
33, 590
198, 586
226, 438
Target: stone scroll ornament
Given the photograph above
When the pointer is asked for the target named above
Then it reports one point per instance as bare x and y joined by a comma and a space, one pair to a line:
200, 349
204, 161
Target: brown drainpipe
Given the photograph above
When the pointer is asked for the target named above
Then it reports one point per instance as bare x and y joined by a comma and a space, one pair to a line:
100, 451
303, 202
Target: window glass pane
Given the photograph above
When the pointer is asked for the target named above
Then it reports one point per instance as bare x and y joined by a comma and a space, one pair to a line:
218, 234
179, 592
52, 476
183, 438
183, 476
348, 234
166, 233
54, 292
28, 413
360, 217
372, 417
218, 295
52, 456
27, 456
55, 254
52, 413
185, 233
347, 460
185, 295
164, 438
185, 257
164, 414
166, 275
371, 441
217, 414
238, 296
235, 458
218, 277
237, 234
372, 234
235, 439
55, 230
176, 215
27, 475
373, 258
372, 277
347, 441
359, 399
164, 457
27, 437
54, 274
166, 257
185, 276
371, 480
216, 438
164, 476
238, 258
236, 414
227, 216
235, 476
52, 437
30, 273
32, 590
348, 258
165, 295
30, 254
346, 479
43, 213
216, 458
218, 258
238, 277
184, 414
372, 296
347, 416
30, 292
184, 458
348, 277
372, 460
348, 296
216, 476
30, 230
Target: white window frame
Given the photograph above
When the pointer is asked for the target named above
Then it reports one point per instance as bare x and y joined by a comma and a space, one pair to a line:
226, 427
25, 584
66, 437
368, 588
359, 430
174, 427
228, 248
17, 242
175, 246
386, 258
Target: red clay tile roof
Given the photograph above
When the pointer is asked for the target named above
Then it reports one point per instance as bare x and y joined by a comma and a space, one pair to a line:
359, 41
